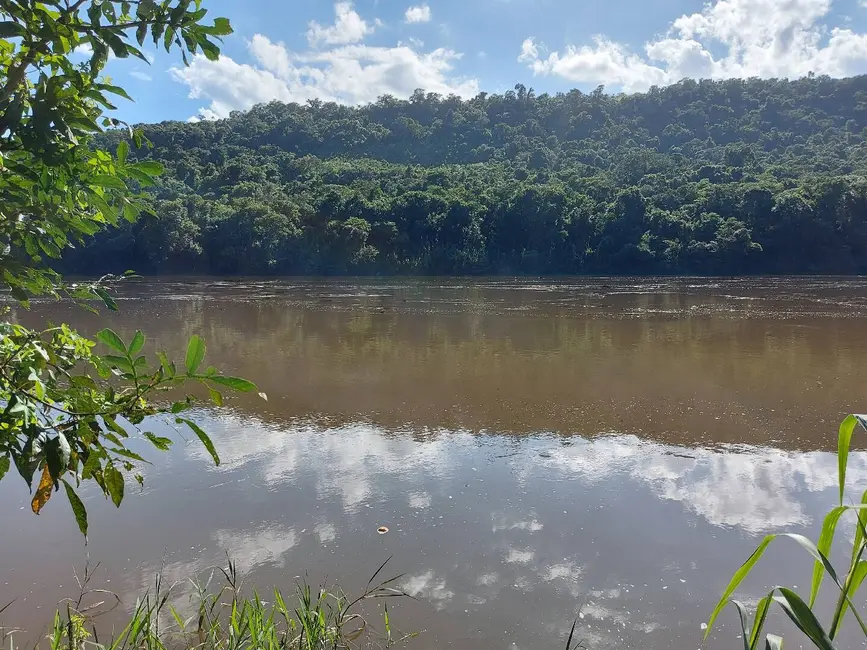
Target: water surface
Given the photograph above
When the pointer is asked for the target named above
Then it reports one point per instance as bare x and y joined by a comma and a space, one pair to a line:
536, 447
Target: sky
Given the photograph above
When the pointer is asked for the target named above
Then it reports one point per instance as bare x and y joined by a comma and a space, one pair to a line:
355, 52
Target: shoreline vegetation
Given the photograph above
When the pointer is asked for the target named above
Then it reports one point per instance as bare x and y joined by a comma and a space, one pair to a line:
221, 613
739, 176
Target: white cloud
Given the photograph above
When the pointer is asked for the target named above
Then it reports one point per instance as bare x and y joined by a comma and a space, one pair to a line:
327, 532
229, 85
602, 62
759, 38
503, 522
142, 76
349, 74
419, 500
752, 489
348, 27
418, 14
429, 587
517, 556
251, 549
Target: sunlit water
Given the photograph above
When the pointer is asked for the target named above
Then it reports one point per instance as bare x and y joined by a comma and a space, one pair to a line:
610, 449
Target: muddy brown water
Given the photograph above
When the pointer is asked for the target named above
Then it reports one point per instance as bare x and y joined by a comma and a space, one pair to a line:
537, 448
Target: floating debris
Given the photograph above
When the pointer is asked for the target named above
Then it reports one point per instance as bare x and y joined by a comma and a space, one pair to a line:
382, 530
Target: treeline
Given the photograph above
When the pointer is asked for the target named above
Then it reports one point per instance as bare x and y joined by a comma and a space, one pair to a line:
735, 176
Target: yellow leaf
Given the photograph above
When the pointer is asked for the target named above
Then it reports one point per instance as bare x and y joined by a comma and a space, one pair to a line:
43, 492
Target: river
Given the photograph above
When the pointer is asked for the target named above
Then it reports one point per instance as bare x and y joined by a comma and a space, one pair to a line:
606, 448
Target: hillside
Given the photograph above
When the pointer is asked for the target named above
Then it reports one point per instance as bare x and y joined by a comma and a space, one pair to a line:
736, 176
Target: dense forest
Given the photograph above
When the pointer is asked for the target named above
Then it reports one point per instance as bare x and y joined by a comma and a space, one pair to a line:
734, 176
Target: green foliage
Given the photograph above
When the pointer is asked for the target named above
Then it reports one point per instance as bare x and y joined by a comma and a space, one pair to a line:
69, 409
802, 613
223, 617
732, 176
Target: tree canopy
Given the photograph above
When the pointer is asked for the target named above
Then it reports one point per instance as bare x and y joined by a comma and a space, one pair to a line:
67, 412
733, 176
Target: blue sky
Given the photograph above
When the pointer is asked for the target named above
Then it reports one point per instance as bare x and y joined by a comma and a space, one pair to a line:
353, 52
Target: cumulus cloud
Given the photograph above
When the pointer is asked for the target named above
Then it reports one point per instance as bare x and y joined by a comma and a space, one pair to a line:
759, 38
348, 27
345, 73
429, 586
418, 14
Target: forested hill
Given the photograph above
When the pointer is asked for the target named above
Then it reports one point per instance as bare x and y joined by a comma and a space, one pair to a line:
737, 176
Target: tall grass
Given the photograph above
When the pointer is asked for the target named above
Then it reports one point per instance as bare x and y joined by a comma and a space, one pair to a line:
799, 611
225, 618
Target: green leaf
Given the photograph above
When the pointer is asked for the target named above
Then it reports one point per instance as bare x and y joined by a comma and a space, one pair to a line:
122, 151
107, 300
149, 167
195, 354
222, 27
829, 526
773, 642
159, 442
216, 396
126, 453
107, 181
844, 440
5, 464
111, 339
114, 484
743, 617
130, 211
91, 465
136, 344
108, 212
861, 524
235, 383
761, 615
859, 572
140, 176
9, 29
802, 616
737, 579
99, 97
57, 453
20, 295
115, 90
211, 51
116, 361
113, 424
167, 366
202, 436
78, 508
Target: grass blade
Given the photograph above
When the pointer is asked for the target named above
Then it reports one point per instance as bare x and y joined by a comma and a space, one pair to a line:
759, 622
844, 440
802, 616
773, 642
571, 635
829, 527
744, 617
859, 572
737, 579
